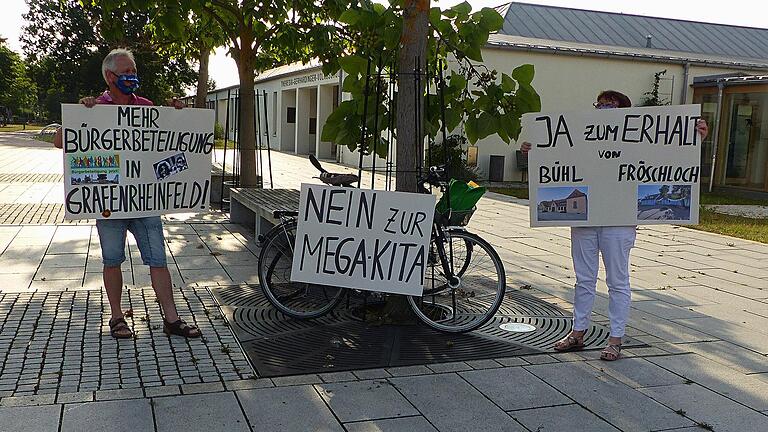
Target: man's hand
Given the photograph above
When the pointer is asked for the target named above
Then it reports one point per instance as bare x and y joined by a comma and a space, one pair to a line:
702, 128
175, 102
57, 139
525, 147
88, 101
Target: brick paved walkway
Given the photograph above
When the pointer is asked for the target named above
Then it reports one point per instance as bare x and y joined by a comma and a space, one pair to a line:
700, 303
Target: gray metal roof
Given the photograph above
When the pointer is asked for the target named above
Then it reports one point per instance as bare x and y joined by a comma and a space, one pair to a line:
614, 29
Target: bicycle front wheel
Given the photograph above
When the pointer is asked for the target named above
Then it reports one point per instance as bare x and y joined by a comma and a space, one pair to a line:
470, 303
296, 299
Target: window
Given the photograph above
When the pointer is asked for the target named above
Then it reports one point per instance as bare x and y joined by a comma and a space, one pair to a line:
575, 205
291, 114
312, 126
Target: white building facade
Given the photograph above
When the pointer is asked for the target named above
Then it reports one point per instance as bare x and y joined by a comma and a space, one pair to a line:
576, 55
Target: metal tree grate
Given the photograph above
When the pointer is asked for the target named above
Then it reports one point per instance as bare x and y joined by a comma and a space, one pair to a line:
277, 345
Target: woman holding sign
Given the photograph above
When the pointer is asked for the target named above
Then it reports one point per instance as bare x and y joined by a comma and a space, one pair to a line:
614, 243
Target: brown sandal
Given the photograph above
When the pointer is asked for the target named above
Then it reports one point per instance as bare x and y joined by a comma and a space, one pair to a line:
611, 353
181, 328
570, 343
119, 325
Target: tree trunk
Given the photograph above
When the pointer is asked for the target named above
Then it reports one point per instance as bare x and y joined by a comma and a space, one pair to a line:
413, 47
409, 146
247, 133
202, 79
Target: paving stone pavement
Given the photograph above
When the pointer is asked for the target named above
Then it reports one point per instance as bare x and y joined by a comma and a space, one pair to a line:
700, 303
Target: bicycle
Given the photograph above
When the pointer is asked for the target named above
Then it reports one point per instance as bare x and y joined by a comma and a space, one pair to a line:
464, 282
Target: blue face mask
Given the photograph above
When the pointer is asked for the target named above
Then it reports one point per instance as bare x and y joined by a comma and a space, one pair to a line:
127, 84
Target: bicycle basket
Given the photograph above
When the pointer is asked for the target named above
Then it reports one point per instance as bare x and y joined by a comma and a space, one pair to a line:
455, 217
457, 204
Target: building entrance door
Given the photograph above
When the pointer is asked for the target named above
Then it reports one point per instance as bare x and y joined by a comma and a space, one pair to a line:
747, 151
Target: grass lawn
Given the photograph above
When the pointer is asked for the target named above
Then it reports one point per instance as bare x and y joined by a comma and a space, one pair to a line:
47, 138
18, 127
515, 192
725, 199
735, 226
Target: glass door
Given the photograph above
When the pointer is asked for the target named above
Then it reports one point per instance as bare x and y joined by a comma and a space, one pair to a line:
747, 144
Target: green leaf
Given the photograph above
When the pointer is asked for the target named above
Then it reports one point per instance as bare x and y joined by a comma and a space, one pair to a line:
471, 128
453, 118
330, 130
353, 65
524, 73
491, 20
434, 16
507, 83
514, 128
350, 16
487, 125
502, 133
462, 10
457, 81
527, 99
474, 53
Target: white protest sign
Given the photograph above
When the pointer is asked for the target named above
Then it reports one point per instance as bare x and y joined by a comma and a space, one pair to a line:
613, 167
126, 161
363, 239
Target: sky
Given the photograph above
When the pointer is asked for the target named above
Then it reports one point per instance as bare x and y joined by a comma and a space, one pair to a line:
750, 13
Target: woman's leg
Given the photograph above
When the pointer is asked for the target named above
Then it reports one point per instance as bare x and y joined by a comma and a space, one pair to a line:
615, 244
585, 253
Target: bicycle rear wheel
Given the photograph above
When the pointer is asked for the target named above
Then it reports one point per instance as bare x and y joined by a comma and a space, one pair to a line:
477, 296
296, 299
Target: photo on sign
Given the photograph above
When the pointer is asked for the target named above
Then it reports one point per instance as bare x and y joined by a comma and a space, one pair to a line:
85, 177
562, 203
170, 166
94, 160
664, 202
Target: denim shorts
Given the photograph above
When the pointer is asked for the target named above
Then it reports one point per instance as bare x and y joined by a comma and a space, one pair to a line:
147, 231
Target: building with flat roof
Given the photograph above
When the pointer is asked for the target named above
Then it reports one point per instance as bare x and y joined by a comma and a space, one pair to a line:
577, 53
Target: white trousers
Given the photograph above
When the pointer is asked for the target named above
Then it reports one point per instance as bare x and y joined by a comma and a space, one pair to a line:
614, 243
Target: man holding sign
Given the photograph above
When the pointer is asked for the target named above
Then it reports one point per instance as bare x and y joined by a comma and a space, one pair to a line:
119, 72
570, 205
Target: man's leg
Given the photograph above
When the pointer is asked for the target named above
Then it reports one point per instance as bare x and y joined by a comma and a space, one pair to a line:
112, 240
113, 283
151, 241
161, 283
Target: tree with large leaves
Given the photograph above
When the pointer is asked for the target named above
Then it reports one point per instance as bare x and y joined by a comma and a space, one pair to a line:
397, 42
260, 36
64, 44
201, 35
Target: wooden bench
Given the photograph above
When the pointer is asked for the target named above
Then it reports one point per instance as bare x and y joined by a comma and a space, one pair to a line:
255, 207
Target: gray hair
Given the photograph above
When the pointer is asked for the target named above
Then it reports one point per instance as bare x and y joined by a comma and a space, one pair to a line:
109, 61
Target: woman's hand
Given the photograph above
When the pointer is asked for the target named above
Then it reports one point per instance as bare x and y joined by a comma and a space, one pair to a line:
702, 128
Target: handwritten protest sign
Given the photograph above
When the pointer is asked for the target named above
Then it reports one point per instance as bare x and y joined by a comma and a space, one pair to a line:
613, 167
363, 239
124, 161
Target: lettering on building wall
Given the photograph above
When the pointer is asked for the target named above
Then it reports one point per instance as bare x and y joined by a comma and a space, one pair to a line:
315, 77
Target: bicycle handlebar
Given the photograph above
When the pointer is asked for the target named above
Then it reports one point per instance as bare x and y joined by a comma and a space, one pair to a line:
435, 177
